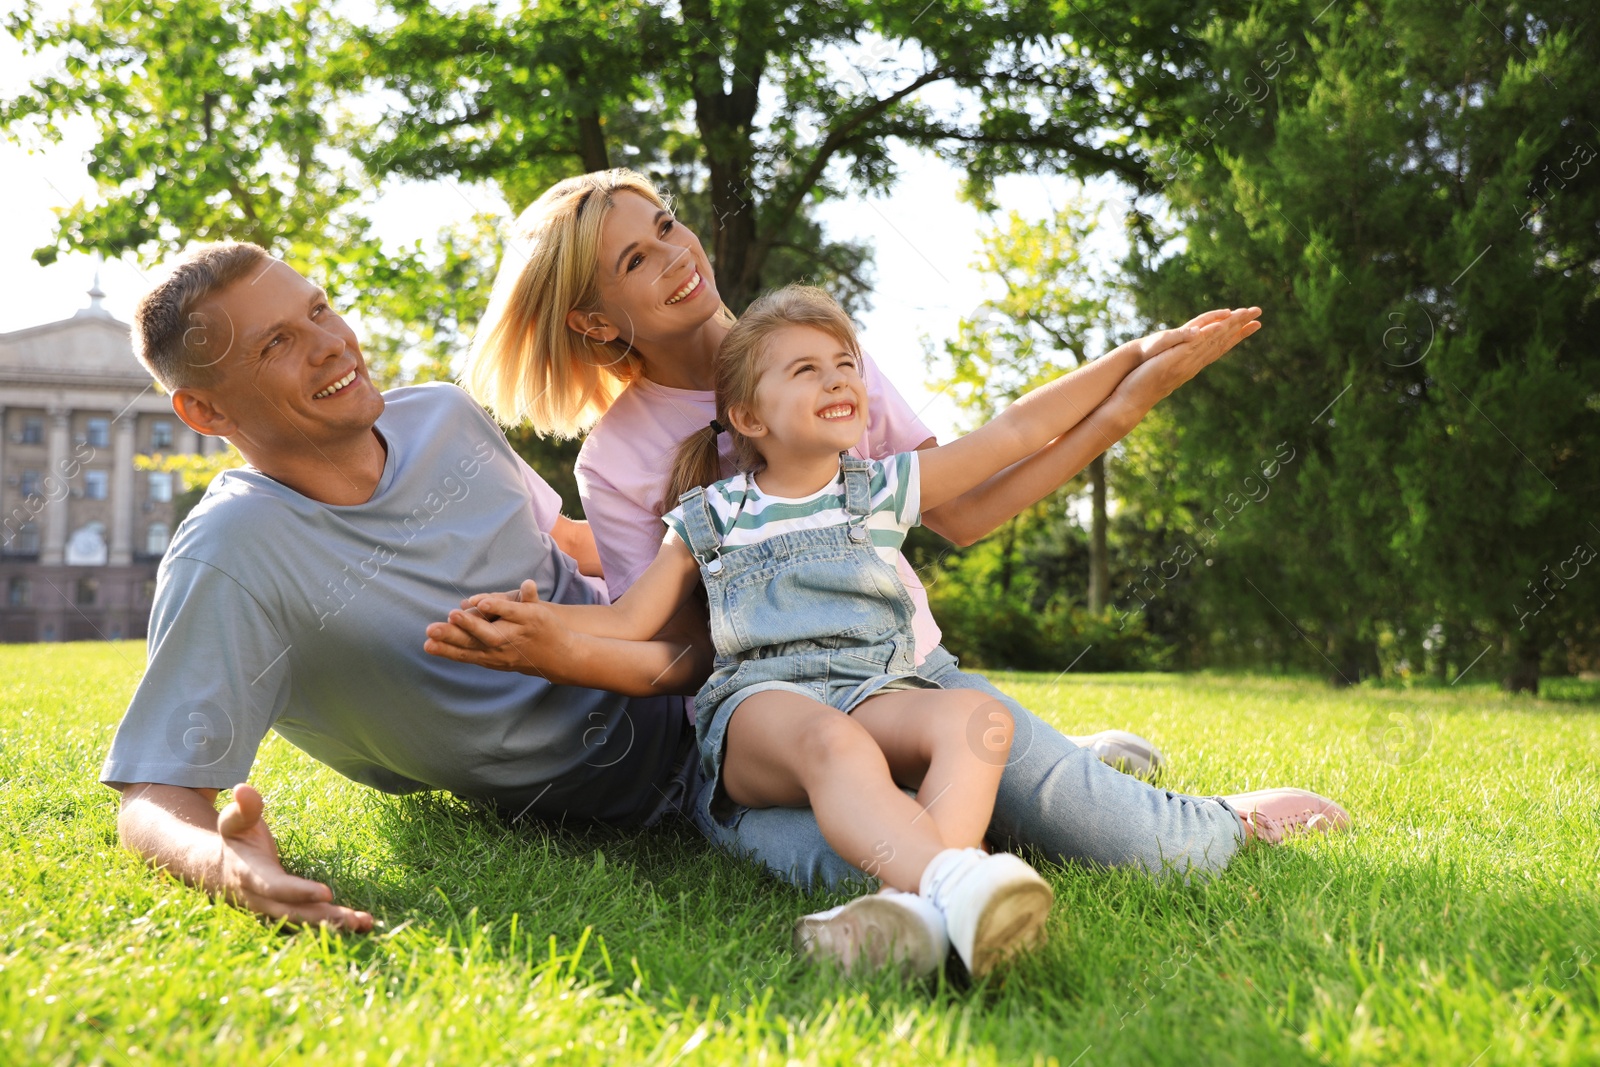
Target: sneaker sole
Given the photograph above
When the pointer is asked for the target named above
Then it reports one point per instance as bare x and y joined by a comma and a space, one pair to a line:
1124, 751
870, 933
1013, 921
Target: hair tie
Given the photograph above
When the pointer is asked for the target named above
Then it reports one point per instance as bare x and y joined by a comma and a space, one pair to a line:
716, 427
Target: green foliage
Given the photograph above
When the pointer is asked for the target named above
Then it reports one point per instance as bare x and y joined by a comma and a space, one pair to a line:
1053, 309
274, 121
1457, 924
419, 308
195, 472
1406, 189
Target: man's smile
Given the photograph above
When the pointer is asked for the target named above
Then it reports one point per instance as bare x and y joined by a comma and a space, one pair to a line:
335, 387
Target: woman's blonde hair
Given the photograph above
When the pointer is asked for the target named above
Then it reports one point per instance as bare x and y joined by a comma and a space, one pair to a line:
526, 364
740, 363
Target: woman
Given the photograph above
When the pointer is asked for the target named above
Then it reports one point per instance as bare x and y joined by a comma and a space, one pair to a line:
605, 316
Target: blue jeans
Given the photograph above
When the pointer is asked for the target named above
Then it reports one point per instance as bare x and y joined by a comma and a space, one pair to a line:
1054, 797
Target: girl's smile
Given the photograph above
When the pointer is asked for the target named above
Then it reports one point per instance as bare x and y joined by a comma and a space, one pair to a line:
811, 398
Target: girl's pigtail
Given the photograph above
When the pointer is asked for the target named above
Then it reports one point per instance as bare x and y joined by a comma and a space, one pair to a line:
696, 464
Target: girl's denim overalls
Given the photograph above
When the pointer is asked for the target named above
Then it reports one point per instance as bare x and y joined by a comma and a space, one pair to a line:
816, 612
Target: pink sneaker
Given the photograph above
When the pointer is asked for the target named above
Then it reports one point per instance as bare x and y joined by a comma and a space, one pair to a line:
1272, 815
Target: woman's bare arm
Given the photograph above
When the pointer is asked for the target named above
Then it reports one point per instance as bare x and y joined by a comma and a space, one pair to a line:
970, 515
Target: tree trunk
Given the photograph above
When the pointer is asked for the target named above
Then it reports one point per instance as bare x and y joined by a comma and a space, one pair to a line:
734, 233
592, 142
1522, 674
1441, 654
1008, 542
725, 103
1099, 566
1353, 658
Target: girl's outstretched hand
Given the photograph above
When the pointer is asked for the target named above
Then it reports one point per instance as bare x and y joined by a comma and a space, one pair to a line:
502, 631
1154, 344
1208, 337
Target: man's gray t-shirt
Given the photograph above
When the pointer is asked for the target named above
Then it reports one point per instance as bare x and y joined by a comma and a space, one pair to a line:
275, 611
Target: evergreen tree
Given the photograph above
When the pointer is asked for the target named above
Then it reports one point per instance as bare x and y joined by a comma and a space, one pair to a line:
1407, 190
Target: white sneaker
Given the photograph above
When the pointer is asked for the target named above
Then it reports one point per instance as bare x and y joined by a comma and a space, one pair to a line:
887, 927
994, 906
1127, 752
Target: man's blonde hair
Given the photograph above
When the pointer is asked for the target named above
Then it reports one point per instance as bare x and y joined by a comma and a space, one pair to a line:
175, 345
526, 364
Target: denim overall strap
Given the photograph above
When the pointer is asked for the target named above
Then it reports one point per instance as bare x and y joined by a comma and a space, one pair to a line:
703, 540
857, 495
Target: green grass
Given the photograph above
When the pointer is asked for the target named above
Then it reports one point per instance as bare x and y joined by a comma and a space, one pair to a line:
1459, 925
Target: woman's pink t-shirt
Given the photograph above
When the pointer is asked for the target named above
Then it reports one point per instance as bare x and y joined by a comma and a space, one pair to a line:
623, 466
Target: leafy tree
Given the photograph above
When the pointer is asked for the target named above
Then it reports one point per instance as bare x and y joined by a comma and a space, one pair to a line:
1383, 180
1052, 312
752, 110
266, 121
212, 125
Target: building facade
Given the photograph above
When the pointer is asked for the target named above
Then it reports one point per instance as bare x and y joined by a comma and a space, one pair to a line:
83, 529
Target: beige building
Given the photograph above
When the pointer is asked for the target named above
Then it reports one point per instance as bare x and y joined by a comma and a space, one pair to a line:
83, 530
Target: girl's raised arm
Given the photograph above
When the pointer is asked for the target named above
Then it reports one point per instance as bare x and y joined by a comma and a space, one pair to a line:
1047, 412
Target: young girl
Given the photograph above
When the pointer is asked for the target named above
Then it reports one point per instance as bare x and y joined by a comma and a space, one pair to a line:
810, 621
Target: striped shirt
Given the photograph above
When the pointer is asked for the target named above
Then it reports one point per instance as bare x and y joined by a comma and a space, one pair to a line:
741, 514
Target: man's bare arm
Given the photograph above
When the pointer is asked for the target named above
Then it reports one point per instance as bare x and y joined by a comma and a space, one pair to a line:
228, 854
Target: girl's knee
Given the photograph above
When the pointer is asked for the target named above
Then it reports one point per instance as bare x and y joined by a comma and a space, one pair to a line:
836, 738
983, 723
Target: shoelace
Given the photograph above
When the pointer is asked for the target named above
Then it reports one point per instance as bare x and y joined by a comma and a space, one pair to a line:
951, 873
1277, 829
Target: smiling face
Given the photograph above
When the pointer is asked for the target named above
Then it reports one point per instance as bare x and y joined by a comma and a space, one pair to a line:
810, 399
654, 278
286, 374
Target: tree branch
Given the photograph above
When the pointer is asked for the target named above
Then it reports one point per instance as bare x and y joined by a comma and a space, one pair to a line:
844, 131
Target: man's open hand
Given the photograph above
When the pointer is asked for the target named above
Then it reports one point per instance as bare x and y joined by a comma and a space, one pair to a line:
251, 876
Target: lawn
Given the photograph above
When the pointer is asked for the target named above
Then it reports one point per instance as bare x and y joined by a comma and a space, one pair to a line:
1460, 924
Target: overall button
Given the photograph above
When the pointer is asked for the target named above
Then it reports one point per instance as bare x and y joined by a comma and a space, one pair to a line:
858, 534
715, 566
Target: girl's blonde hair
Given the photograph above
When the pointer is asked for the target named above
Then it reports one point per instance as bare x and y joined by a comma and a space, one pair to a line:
526, 364
740, 363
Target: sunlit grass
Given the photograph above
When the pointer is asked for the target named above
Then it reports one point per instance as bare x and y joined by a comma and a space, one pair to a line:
1460, 924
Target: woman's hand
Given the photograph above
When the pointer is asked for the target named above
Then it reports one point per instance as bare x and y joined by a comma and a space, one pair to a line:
1210, 337
1150, 345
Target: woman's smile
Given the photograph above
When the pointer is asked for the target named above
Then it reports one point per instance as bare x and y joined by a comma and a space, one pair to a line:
689, 288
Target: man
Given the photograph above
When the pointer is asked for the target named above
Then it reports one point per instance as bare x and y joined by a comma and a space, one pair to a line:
296, 595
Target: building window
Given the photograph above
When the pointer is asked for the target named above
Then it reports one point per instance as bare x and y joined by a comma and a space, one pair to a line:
26, 541
94, 484
30, 483
161, 486
88, 592
161, 434
99, 433
155, 541
17, 592
32, 431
